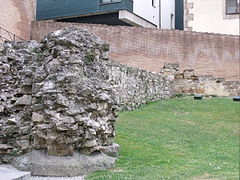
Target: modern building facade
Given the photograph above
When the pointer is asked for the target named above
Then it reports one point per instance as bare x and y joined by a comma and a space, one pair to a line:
167, 14
215, 16
144, 13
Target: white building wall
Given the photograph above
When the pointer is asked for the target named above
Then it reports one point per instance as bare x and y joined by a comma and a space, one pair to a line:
145, 9
160, 14
210, 16
168, 8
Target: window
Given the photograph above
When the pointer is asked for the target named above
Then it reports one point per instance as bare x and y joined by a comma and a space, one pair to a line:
232, 7
109, 1
154, 3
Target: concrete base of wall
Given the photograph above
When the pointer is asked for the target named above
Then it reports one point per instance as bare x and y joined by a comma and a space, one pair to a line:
40, 164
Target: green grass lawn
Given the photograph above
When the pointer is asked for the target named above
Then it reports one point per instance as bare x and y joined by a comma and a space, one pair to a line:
178, 139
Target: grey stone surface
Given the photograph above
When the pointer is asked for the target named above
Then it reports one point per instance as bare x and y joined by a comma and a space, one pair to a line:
134, 87
111, 150
10, 173
55, 95
40, 164
72, 99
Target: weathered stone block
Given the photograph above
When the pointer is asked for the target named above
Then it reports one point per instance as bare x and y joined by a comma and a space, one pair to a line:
178, 76
57, 149
36, 117
171, 66
5, 149
24, 100
24, 144
188, 73
111, 150
200, 91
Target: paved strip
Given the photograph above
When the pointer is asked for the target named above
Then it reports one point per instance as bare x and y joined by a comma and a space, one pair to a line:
9, 173
57, 178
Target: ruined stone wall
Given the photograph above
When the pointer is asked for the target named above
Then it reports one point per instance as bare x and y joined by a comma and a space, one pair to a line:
55, 96
62, 95
206, 85
16, 17
150, 49
134, 86
15, 100
187, 82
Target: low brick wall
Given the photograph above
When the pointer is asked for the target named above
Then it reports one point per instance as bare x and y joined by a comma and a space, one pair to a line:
207, 54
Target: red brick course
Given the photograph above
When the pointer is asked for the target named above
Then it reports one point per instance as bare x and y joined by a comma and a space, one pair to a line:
207, 53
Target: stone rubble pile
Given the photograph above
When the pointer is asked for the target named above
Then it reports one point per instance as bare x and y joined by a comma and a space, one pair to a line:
55, 96
73, 107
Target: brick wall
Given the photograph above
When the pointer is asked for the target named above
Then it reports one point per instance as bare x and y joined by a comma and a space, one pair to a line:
208, 54
16, 17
